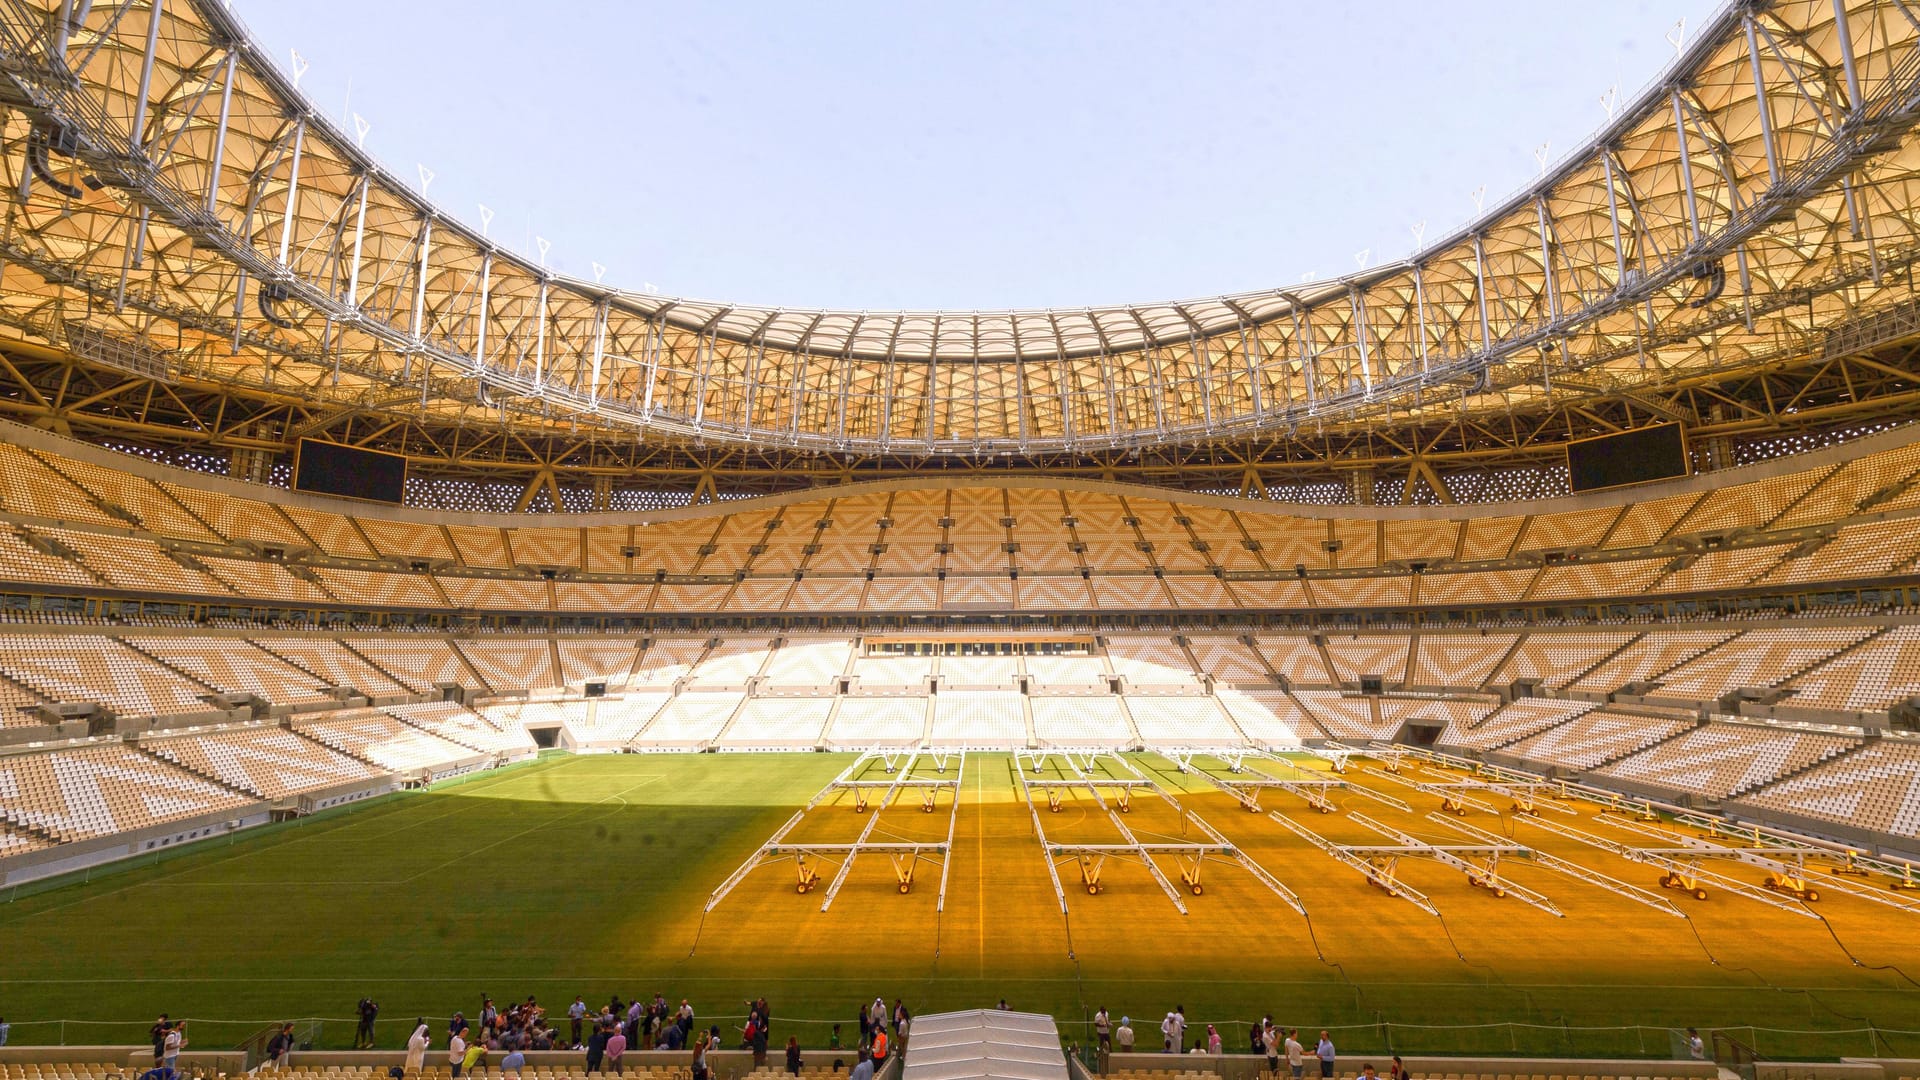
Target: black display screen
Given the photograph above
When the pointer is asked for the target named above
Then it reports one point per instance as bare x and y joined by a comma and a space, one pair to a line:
333, 469
1639, 456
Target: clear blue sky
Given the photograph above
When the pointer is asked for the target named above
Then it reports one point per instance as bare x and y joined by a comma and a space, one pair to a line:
900, 154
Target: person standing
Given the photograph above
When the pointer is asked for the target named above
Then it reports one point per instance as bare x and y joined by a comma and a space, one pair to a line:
1398, 1070
278, 1048
5, 1030
616, 1050
861, 1071
1124, 1036
1696, 1046
158, 1035
1214, 1045
793, 1056
457, 1052
417, 1048
596, 1047
1103, 1038
1325, 1053
176, 1042
1270, 1045
700, 1058
879, 1048
1296, 1054
1173, 1029
577, 1012
363, 1035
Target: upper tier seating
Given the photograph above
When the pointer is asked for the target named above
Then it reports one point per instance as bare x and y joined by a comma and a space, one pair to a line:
1879, 674
458, 725
510, 665
101, 789
691, 719
979, 718
1063, 673
266, 762
1458, 660
421, 663
596, 659
1080, 721
234, 666
1348, 719
373, 736
333, 662
861, 722
1151, 662
1757, 658
1651, 654
1595, 738
1230, 662
78, 668
808, 663
1270, 718
1182, 721
1725, 759
1875, 788
778, 723
1513, 722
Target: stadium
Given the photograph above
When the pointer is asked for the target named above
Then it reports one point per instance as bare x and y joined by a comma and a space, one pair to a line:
1506, 657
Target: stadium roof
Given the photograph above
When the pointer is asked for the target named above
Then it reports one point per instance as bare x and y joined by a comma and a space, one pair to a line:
985, 1043
190, 205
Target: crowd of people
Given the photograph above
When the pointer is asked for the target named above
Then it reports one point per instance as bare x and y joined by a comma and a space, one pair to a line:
1264, 1038
501, 1038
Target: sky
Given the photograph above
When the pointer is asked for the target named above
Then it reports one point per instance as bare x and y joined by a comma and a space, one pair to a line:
873, 156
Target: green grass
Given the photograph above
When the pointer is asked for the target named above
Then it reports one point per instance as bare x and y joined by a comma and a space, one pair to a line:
589, 874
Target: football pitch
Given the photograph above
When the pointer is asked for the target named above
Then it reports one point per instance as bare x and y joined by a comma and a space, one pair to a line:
590, 874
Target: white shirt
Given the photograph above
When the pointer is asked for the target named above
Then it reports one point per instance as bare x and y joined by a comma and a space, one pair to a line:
1100, 1025
173, 1042
456, 1050
1124, 1036
1296, 1054
1174, 1027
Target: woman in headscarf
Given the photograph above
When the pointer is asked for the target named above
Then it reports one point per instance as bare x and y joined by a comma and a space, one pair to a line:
417, 1049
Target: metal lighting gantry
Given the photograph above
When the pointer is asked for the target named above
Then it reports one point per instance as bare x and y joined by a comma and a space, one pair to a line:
1091, 858
906, 856
1245, 785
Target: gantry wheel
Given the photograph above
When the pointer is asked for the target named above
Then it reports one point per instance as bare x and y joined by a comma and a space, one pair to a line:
1499, 892
1093, 890
1812, 896
1326, 808
1197, 890
1699, 894
906, 886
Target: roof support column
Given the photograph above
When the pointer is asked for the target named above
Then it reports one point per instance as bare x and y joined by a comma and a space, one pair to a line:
480, 335
1686, 163
1613, 215
599, 351
1420, 304
1253, 370
1762, 104
540, 337
420, 290
359, 235
1843, 30
220, 135
1546, 259
1360, 336
1480, 289
1306, 357
139, 136
651, 354
293, 190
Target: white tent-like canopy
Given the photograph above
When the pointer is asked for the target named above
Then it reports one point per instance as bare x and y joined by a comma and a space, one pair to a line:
985, 1043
